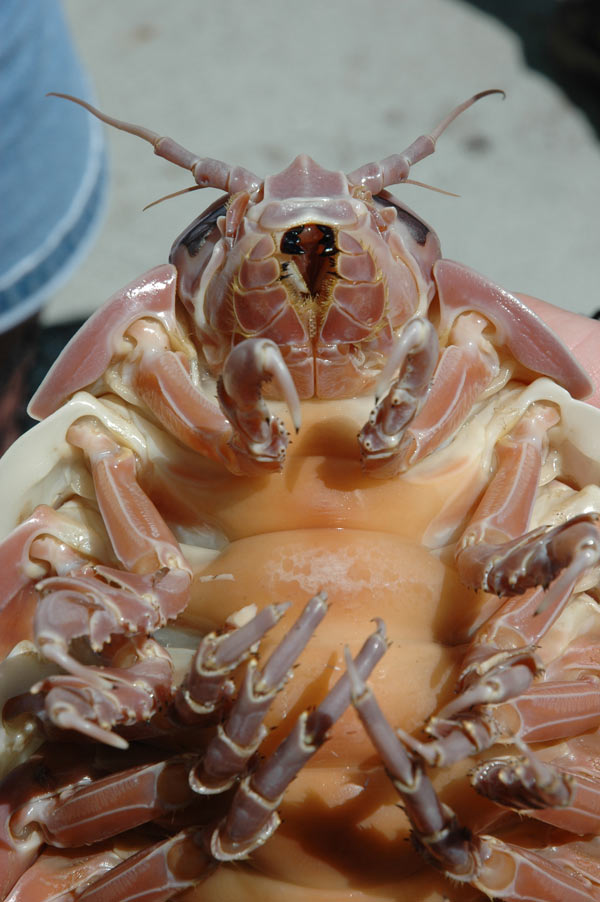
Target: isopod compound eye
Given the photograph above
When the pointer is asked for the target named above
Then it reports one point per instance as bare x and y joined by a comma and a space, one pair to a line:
194, 237
415, 226
290, 243
193, 248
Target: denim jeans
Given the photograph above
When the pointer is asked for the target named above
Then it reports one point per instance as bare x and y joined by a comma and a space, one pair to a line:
52, 159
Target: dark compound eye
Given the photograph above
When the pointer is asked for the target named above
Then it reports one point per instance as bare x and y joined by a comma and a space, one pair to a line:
295, 242
290, 243
327, 245
416, 227
200, 229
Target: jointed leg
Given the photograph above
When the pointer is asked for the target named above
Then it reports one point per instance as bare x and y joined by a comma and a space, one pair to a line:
498, 869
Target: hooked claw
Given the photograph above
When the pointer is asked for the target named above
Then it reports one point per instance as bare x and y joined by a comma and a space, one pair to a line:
259, 438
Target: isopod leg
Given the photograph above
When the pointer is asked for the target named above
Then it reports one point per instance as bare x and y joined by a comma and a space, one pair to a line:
104, 697
17, 569
496, 868
502, 661
71, 806
94, 699
243, 435
155, 874
495, 553
252, 817
466, 368
259, 440
140, 537
57, 877
188, 858
380, 439
546, 711
98, 602
564, 794
19, 849
207, 681
414, 417
102, 808
240, 736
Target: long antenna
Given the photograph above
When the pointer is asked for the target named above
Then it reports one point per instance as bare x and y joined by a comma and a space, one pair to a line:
395, 168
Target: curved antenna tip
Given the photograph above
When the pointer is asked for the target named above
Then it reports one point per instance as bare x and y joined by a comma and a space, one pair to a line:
489, 91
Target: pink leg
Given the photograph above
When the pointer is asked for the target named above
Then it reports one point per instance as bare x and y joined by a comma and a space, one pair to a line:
240, 736
565, 794
103, 808
259, 439
502, 661
98, 602
544, 712
19, 850
86, 606
409, 424
56, 876
140, 537
495, 553
96, 698
500, 700
466, 368
188, 858
381, 438
496, 868
252, 817
17, 569
105, 697
245, 436
553, 710
156, 874
580, 856
80, 802
207, 683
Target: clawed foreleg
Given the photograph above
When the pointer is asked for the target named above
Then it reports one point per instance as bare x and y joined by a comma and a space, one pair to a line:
99, 603
381, 439
104, 697
546, 711
456, 739
558, 789
259, 439
495, 679
243, 435
96, 698
95, 603
416, 417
